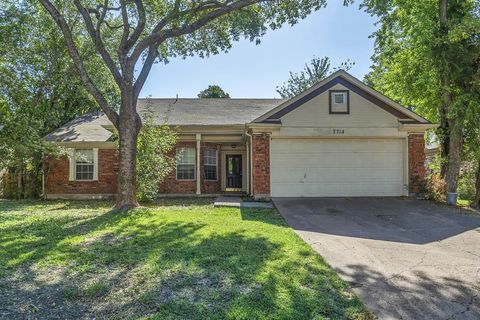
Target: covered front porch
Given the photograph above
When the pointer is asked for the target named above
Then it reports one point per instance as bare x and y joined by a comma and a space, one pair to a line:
210, 163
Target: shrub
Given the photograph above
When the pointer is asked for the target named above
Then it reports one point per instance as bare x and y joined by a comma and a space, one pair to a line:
153, 160
435, 187
466, 182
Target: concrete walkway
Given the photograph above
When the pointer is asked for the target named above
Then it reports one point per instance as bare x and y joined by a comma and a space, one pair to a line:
406, 259
237, 202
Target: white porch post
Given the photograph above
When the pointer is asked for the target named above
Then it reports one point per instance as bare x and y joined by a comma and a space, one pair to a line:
198, 137
248, 167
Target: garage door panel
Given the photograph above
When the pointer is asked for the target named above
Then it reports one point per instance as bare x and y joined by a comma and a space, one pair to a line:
322, 175
335, 190
338, 160
336, 167
288, 146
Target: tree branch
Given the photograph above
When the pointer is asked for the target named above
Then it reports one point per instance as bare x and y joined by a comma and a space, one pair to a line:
142, 20
158, 36
96, 37
147, 66
126, 30
73, 51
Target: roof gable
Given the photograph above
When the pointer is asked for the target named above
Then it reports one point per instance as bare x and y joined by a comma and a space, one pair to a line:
348, 81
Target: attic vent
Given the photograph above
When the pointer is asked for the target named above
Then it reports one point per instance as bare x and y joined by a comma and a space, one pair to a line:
339, 98
339, 102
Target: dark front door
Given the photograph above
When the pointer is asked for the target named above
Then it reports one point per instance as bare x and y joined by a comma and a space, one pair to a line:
234, 171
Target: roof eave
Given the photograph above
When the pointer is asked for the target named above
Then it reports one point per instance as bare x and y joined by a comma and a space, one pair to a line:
417, 127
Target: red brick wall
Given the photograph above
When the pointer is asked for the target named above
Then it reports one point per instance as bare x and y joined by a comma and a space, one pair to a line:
261, 164
416, 161
57, 177
172, 185
210, 186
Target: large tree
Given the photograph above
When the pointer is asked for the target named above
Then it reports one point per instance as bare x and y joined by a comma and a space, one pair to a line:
213, 92
34, 96
130, 34
426, 55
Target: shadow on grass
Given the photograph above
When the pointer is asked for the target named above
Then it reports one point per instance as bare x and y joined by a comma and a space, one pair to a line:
134, 264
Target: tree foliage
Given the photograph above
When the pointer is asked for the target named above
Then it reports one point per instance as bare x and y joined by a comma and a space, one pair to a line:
427, 55
154, 161
131, 35
317, 70
213, 91
39, 90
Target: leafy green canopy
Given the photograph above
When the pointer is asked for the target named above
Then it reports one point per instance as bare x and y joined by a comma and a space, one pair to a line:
317, 70
39, 87
130, 36
213, 91
410, 53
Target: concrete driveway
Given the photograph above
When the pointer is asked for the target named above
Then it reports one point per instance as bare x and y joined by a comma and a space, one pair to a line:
406, 259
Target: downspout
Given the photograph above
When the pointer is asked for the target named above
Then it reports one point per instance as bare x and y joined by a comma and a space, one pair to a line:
250, 172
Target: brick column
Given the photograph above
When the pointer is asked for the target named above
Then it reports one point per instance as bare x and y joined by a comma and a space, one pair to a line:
416, 162
261, 165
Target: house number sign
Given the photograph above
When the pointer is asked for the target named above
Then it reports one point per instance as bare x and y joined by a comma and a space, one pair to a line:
338, 131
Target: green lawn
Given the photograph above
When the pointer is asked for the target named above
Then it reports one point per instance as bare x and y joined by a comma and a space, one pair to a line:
177, 259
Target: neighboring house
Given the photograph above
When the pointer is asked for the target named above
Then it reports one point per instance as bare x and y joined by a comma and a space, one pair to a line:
432, 149
338, 138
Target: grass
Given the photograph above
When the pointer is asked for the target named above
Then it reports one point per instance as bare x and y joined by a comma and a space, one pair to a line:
175, 259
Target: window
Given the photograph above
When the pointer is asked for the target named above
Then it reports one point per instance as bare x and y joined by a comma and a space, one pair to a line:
339, 98
339, 102
186, 164
210, 159
84, 164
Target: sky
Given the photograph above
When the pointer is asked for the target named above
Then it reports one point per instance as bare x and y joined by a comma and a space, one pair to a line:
254, 71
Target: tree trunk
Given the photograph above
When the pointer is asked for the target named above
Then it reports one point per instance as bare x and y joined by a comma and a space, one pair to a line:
476, 202
20, 184
128, 128
454, 157
443, 134
444, 80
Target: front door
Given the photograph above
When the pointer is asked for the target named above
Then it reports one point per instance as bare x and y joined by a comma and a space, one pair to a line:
234, 171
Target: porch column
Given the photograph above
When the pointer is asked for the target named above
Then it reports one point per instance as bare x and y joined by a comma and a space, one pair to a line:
248, 167
198, 137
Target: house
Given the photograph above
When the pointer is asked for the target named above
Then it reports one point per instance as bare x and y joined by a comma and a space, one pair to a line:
338, 138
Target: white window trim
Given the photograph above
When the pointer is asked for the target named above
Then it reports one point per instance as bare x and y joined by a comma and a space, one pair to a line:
72, 174
216, 165
194, 165
343, 94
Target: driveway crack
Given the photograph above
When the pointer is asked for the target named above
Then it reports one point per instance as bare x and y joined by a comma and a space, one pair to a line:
419, 263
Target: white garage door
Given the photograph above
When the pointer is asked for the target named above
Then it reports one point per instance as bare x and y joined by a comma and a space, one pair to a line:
336, 167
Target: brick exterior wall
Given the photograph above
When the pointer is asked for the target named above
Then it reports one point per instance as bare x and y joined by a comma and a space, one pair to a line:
210, 186
416, 162
261, 165
172, 185
57, 177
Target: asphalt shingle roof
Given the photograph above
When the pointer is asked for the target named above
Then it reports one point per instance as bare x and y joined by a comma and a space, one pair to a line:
181, 112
